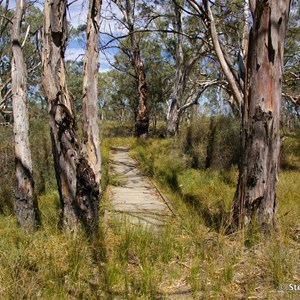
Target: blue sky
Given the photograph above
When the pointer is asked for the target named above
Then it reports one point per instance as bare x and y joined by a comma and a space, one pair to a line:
77, 14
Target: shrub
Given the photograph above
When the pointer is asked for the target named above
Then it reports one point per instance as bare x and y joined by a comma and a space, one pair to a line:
211, 142
290, 152
7, 169
167, 167
43, 171
41, 151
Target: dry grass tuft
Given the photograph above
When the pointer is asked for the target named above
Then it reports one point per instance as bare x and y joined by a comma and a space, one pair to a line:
191, 258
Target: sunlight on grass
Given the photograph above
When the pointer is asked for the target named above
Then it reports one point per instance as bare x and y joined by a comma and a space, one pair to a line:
190, 257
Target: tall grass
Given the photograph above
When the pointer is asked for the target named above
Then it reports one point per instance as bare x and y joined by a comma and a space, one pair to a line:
190, 258
246, 264
48, 264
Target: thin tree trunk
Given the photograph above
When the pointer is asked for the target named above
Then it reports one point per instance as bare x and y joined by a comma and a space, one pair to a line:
91, 137
180, 78
173, 118
78, 189
141, 113
221, 54
255, 198
184, 67
26, 207
142, 118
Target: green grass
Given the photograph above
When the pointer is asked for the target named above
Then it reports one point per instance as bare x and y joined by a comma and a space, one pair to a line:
191, 257
48, 264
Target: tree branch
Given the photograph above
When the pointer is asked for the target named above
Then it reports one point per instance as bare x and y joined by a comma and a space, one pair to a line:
236, 90
193, 99
294, 99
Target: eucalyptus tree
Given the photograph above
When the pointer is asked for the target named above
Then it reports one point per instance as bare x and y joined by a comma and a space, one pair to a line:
159, 71
256, 192
31, 26
185, 60
186, 39
290, 112
74, 71
259, 97
33, 22
90, 133
77, 182
130, 22
119, 95
26, 207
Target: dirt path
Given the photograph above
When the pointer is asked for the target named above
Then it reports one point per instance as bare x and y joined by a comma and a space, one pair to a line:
134, 196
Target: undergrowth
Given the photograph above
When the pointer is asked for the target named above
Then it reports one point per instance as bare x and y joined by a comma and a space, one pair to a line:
191, 257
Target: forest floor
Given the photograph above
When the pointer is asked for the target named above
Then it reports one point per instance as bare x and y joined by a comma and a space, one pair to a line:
189, 256
132, 196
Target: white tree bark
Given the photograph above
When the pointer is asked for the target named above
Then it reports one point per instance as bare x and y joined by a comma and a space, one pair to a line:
77, 185
184, 66
91, 135
26, 207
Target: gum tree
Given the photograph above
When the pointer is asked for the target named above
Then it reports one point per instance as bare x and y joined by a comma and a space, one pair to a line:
260, 136
26, 207
91, 135
188, 51
77, 182
127, 9
259, 98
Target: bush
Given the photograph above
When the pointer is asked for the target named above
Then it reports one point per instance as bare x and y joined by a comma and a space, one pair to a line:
290, 152
167, 167
211, 142
43, 171
160, 159
7, 169
41, 151
116, 129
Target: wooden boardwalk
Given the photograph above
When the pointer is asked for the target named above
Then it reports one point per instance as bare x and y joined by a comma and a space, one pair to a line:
135, 197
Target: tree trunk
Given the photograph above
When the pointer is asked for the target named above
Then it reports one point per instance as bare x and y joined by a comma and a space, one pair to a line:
77, 185
26, 207
255, 198
141, 113
142, 118
91, 136
184, 66
173, 118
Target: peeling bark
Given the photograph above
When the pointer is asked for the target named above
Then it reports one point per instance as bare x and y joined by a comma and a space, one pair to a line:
77, 185
91, 136
142, 117
255, 196
26, 207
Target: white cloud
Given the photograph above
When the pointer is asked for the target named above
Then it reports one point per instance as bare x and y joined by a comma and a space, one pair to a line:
77, 13
78, 55
74, 53
110, 14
